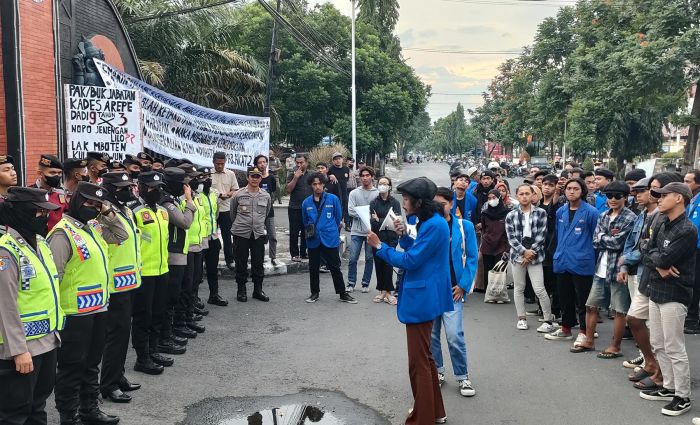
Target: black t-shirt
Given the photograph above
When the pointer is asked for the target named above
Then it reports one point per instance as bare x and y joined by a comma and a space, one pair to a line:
269, 185
342, 174
461, 206
572, 213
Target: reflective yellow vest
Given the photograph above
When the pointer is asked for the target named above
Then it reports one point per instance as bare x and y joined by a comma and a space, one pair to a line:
194, 233
86, 276
125, 258
38, 299
211, 211
153, 228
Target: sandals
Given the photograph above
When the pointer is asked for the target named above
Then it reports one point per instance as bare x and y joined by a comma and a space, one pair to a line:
638, 376
581, 349
378, 298
646, 384
391, 300
609, 355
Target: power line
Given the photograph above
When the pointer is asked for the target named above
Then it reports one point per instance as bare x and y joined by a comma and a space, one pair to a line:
465, 52
320, 36
561, 3
458, 94
180, 12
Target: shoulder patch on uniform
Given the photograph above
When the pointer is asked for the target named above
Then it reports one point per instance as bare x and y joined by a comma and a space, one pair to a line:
4, 262
171, 207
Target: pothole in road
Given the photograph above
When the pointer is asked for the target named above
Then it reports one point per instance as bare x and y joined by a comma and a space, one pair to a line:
305, 408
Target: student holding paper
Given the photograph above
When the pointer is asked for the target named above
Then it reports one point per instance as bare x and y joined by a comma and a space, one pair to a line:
382, 206
359, 198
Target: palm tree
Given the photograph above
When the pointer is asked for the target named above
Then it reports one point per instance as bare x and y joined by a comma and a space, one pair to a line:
192, 55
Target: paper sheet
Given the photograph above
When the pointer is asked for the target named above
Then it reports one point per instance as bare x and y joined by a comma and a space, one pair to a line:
363, 213
388, 223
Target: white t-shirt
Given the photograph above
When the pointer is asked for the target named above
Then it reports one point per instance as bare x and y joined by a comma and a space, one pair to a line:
602, 270
527, 228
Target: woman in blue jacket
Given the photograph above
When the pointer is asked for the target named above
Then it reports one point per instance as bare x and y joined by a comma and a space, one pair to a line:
575, 257
323, 211
425, 292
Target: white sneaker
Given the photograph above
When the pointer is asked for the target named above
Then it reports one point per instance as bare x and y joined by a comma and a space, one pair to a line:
466, 388
581, 338
546, 328
558, 335
441, 378
696, 421
522, 325
365, 289
350, 289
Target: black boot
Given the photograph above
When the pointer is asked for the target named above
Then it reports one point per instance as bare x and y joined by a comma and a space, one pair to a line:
71, 418
125, 385
179, 341
217, 300
91, 414
147, 366
162, 360
169, 347
242, 293
183, 331
201, 311
196, 327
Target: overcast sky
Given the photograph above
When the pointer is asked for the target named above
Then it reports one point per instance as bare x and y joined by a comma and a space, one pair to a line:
463, 25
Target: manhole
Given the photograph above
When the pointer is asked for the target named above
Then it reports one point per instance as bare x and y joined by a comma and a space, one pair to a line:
305, 408
293, 414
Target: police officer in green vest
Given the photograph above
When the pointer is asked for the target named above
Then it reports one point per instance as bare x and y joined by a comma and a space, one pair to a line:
184, 310
180, 217
209, 198
151, 297
30, 310
125, 266
79, 246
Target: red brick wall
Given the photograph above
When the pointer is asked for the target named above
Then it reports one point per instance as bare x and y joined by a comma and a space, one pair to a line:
38, 82
3, 128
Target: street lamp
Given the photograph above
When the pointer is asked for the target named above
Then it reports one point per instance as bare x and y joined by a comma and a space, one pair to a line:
354, 99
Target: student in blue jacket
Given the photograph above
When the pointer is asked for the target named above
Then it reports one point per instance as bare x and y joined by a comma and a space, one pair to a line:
464, 254
574, 258
464, 202
325, 212
425, 292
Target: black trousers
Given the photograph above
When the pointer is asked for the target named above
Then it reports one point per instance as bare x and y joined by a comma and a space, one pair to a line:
385, 273
256, 249
225, 223
176, 275
332, 258
211, 259
148, 313
118, 329
573, 293
296, 227
184, 309
78, 366
23, 396
550, 284
693, 317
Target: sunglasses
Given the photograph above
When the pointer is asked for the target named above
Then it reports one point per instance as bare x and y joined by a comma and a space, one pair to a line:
614, 195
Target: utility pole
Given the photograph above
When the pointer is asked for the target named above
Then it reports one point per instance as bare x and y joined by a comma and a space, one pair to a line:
354, 99
272, 60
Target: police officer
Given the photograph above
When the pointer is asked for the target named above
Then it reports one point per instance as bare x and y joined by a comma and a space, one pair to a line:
97, 165
50, 172
184, 310
116, 166
210, 198
125, 264
30, 311
79, 246
74, 172
151, 297
157, 165
180, 216
250, 207
145, 160
133, 167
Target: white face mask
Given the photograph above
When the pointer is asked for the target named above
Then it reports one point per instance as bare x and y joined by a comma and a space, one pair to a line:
383, 188
493, 203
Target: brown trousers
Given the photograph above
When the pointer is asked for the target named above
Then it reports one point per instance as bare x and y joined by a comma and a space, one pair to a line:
427, 397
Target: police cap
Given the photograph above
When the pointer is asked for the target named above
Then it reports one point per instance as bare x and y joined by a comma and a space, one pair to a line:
175, 175
98, 156
50, 161
38, 197
91, 191
151, 178
116, 179
73, 163
143, 156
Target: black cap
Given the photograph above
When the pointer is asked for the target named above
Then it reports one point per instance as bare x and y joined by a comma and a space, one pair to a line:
158, 160
617, 186
175, 175
635, 175
171, 163
73, 163
151, 178
605, 173
488, 173
254, 170
131, 160
673, 187
205, 171
419, 188
144, 156
113, 165
116, 179
50, 161
98, 156
38, 197
91, 191
6, 159
190, 170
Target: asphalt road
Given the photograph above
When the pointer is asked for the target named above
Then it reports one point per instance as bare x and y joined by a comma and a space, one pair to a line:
351, 360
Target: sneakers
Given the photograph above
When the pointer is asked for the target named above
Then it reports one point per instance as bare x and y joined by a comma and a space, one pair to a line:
324, 269
313, 298
534, 312
365, 289
558, 335
522, 325
441, 378
676, 407
631, 364
346, 298
658, 395
350, 289
696, 421
466, 388
546, 328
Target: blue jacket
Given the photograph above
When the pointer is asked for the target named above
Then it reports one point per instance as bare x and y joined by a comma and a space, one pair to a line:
469, 205
601, 202
693, 210
426, 291
632, 256
464, 273
575, 253
327, 227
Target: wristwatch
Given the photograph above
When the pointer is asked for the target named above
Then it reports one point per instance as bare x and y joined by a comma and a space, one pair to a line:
379, 246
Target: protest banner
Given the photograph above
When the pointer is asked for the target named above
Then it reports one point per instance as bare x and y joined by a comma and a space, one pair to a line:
103, 120
180, 129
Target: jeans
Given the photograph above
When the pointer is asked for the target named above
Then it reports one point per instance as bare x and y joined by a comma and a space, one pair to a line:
355, 248
296, 226
454, 332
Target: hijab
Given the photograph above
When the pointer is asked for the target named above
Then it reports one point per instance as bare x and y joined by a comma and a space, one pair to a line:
498, 212
14, 215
